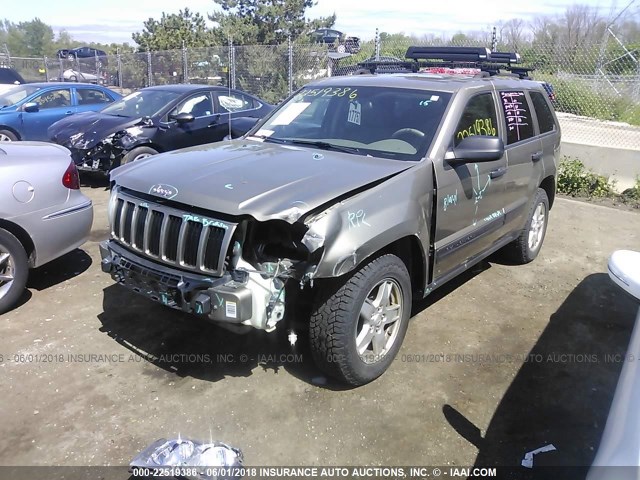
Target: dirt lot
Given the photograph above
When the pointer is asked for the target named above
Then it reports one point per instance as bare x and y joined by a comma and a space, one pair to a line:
459, 393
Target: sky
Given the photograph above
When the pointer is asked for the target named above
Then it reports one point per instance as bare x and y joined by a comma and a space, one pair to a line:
115, 20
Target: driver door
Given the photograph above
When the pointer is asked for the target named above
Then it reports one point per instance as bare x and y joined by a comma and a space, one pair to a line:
470, 194
53, 105
196, 132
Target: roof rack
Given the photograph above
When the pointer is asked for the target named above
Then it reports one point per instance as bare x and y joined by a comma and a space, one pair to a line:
481, 58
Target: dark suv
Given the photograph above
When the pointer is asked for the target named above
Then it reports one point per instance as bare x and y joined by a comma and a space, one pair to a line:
83, 52
336, 40
356, 196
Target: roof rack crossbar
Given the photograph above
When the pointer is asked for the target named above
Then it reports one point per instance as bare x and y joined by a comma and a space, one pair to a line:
460, 54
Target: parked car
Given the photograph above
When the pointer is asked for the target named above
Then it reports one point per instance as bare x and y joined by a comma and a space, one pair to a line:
156, 119
71, 75
83, 52
357, 195
549, 89
336, 39
8, 78
43, 214
27, 111
619, 451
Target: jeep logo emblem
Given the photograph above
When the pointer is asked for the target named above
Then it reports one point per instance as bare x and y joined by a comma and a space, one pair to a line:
165, 191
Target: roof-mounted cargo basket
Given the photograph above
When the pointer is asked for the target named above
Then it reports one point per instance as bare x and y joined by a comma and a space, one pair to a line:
480, 58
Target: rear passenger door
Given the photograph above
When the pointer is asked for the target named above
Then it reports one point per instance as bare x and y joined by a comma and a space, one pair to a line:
91, 99
523, 149
230, 105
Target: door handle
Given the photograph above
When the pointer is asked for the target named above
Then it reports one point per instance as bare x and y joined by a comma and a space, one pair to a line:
537, 156
498, 172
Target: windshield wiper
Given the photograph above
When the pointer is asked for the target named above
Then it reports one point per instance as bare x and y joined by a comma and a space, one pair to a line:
324, 145
267, 138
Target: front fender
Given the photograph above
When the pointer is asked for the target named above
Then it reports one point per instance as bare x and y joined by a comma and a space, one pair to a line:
353, 230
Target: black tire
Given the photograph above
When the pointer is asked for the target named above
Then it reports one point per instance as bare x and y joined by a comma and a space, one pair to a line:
8, 134
520, 250
136, 153
73, 78
336, 321
17, 265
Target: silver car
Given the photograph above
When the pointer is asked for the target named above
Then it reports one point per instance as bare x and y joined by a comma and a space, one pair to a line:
43, 214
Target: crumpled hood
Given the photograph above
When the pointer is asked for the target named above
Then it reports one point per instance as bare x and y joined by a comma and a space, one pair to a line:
85, 130
264, 180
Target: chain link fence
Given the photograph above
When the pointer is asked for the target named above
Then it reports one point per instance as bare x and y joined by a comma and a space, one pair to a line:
597, 87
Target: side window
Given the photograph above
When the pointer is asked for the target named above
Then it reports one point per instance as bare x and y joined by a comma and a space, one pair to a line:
517, 116
478, 118
199, 105
54, 99
231, 102
90, 96
543, 112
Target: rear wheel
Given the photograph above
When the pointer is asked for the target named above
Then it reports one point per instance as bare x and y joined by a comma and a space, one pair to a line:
7, 136
528, 244
14, 270
357, 327
138, 153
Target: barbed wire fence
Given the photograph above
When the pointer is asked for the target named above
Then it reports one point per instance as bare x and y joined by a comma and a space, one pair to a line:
597, 86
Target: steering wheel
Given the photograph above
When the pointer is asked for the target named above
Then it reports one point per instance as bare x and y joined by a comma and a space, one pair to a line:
408, 133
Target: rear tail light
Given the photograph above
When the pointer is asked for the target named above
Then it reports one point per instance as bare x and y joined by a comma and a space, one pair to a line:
71, 178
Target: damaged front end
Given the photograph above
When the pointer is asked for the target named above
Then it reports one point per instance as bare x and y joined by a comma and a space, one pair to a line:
232, 271
104, 155
239, 269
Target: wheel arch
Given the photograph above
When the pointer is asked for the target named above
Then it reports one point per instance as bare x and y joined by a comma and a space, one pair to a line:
549, 186
23, 237
410, 251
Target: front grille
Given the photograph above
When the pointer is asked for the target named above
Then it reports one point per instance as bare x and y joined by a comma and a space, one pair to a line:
171, 236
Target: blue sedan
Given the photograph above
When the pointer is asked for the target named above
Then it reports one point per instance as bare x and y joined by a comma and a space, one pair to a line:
27, 111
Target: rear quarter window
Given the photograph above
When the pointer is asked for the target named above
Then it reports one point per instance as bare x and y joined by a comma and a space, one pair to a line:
546, 122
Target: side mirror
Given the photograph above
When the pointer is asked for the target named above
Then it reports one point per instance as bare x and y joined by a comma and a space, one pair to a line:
31, 107
477, 148
182, 118
624, 270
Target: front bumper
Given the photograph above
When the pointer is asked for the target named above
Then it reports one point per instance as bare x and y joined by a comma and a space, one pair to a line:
220, 299
97, 159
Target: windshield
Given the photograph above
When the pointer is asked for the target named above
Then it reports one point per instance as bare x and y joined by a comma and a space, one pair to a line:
145, 103
16, 94
378, 121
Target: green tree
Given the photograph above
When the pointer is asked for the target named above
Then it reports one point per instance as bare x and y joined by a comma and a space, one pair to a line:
264, 22
37, 37
173, 31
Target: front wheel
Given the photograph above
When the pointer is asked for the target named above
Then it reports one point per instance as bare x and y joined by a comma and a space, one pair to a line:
138, 153
14, 270
7, 136
357, 326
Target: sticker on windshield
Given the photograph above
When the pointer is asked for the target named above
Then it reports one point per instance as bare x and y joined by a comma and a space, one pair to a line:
434, 98
354, 112
289, 114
